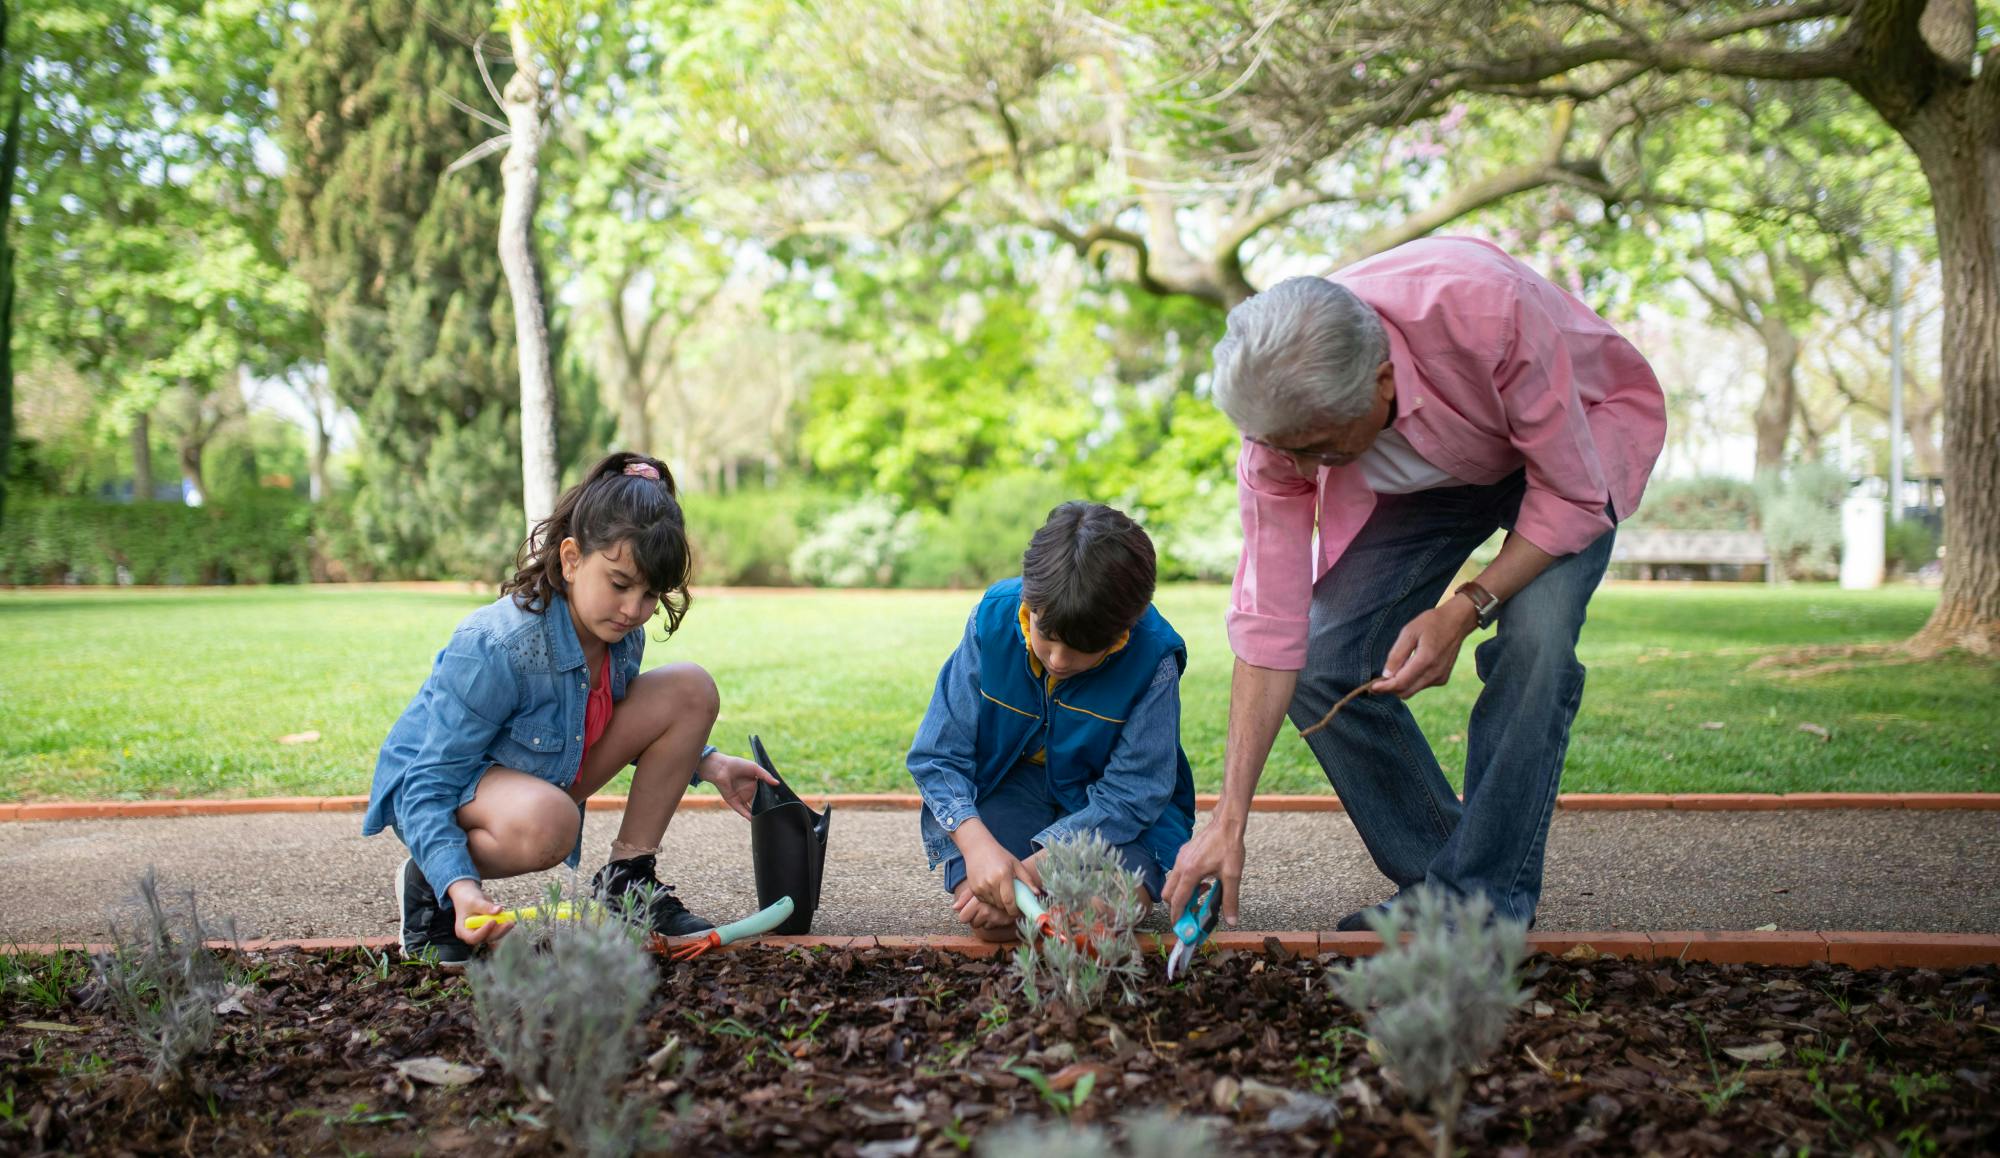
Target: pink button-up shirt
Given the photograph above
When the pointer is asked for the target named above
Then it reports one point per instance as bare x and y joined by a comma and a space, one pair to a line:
1496, 370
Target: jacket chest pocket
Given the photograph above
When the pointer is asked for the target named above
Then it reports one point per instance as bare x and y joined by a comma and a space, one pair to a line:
532, 743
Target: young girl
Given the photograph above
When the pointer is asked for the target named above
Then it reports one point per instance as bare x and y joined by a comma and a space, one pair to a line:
537, 702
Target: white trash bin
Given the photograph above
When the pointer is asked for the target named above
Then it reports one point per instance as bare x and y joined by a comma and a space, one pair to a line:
1863, 522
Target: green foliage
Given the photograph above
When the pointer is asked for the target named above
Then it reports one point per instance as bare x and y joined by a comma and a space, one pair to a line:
559, 1004
1095, 903
264, 539
1698, 504
1912, 545
861, 545
986, 532
404, 271
160, 979
1799, 509
1439, 1002
746, 538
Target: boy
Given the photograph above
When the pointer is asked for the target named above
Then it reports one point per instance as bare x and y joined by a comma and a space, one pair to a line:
1058, 714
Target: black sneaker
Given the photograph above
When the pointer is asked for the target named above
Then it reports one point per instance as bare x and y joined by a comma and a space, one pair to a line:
429, 929
625, 882
1357, 922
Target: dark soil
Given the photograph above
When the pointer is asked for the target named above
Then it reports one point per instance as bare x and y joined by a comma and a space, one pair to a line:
829, 1052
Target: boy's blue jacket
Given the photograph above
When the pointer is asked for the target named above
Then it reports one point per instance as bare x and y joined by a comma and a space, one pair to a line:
1110, 736
509, 689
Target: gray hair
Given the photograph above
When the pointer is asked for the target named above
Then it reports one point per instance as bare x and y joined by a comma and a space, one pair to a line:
1302, 353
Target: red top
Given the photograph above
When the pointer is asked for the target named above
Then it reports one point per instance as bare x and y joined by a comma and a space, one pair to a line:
597, 709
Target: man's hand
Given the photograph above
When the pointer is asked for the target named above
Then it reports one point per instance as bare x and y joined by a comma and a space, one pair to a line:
990, 870
1427, 649
735, 780
1216, 852
470, 900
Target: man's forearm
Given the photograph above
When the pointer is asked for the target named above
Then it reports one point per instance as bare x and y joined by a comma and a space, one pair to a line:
1517, 564
1258, 699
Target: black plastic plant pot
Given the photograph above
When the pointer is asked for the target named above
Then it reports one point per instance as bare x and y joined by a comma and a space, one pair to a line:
787, 846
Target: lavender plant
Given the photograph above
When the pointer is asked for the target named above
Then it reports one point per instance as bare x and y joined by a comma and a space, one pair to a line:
1095, 903
558, 1004
161, 980
1153, 1135
1437, 1003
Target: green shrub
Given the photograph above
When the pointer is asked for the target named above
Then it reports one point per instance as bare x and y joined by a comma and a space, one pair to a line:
1698, 504
1200, 538
746, 539
981, 540
1800, 512
267, 539
862, 545
1912, 544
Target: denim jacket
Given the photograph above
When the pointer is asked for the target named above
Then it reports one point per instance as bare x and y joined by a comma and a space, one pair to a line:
1138, 785
509, 689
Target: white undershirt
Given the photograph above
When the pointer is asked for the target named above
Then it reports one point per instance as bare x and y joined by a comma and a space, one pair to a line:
1393, 467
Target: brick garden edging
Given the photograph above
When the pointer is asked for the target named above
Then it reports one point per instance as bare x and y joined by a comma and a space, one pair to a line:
1859, 950
909, 802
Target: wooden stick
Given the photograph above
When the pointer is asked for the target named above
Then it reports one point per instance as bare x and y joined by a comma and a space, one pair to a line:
1335, 710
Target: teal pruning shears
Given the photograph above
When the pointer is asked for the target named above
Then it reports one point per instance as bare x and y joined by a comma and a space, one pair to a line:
1197, 921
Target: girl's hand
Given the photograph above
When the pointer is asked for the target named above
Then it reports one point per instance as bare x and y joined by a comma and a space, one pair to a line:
469, 900
976, 913
735, 780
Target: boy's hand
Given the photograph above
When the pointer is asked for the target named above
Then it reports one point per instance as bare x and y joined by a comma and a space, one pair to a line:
735, 780
990, 870
977, 913
469, 900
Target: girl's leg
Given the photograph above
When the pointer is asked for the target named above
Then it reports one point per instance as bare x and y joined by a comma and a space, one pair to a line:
518, 823
662, 724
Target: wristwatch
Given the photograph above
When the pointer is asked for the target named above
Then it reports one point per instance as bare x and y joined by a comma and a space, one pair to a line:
1483, 601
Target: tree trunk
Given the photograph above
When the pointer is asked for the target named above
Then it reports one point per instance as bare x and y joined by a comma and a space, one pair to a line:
632, 432
317, 485
520, 191
10, 148
142, 458
1776, 407
1956, 137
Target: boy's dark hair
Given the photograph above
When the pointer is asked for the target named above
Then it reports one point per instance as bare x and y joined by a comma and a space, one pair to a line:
611, 506
1087, 575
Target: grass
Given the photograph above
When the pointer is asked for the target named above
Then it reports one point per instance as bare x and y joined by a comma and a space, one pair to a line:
134, 695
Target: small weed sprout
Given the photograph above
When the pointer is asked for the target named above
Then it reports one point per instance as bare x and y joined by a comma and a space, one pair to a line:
162, 981
558, 1004
1095, 902
1438, 1004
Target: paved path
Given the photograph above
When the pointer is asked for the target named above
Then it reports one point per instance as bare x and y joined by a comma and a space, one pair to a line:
313, 875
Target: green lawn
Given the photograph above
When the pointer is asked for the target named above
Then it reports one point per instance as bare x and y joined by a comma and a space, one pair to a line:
161, 694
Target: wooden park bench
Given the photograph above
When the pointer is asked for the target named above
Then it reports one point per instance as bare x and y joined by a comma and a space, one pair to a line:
1663, 554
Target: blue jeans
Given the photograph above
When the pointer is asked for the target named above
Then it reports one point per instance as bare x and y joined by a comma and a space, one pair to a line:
1375, 755
1020, 806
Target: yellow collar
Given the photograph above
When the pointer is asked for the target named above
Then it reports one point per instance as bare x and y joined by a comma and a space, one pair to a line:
1035, 663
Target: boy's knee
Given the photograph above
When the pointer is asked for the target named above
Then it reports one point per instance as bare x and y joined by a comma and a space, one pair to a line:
543, 840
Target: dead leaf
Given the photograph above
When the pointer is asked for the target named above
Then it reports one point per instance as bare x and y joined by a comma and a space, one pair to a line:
1761, 1052
901, 1148
438, 1072
1770, 928
299, 738
1544, 1009
1712, 725
1226, 1093
48, 1027
232, 1002
1583, 952
1816, 730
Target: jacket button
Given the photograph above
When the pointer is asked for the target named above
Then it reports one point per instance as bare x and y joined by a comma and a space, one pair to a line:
536, 740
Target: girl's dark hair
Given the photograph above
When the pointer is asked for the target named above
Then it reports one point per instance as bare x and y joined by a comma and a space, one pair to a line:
610, 507
1087, 575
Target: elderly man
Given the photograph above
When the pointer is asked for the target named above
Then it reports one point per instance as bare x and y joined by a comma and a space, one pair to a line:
1393, 417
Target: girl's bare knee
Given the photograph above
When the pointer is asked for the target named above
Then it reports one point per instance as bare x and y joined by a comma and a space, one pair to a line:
686, 688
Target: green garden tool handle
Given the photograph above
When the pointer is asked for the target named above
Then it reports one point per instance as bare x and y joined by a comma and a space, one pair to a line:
1026, 900
762, 921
